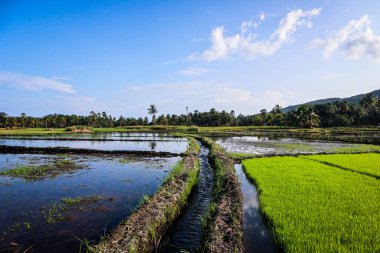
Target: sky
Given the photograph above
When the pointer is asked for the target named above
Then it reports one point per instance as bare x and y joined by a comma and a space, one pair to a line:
73, 57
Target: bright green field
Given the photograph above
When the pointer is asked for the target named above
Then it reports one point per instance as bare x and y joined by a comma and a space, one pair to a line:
313, 207
364, 163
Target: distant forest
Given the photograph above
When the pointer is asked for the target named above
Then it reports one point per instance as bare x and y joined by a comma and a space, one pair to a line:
339, 113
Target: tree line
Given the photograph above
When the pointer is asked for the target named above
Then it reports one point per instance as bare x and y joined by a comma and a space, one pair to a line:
340, 113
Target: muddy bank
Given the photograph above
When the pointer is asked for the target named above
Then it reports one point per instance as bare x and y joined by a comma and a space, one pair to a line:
4, 149
143, 230
225, 230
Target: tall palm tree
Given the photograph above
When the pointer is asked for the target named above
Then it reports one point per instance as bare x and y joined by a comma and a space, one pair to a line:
263, 116
331, 110
152, 110
368, 103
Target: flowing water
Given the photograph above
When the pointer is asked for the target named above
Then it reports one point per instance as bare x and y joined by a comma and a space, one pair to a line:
118, 182
187, 231
256, 235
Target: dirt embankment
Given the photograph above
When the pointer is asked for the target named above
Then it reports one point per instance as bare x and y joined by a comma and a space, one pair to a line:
226, 228
143, 229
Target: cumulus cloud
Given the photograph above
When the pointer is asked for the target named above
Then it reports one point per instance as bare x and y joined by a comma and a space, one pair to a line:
355, 40
246, 44
193, 71
34, 83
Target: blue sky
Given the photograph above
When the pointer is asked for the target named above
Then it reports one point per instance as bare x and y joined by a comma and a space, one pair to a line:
120, 56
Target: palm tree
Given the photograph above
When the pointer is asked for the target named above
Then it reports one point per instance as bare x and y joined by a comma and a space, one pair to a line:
368, 103
263, 116
306, 116
152, 110
23, 119
331, 110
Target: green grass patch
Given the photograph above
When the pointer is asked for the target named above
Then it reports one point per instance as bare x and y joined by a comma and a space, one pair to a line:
313, 207
358, 148
364, 163
55, 211
35, 172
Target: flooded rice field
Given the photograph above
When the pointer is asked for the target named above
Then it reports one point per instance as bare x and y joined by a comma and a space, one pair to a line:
256, 235
108, 141
262, 145
187, 232
101, 136
53, 209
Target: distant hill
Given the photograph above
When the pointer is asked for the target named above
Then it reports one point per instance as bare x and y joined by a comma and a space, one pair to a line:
354, 99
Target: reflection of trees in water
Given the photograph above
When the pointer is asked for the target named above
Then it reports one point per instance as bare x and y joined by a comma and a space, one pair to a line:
153, 145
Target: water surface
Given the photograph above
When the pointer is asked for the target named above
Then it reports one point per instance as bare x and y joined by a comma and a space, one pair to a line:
121, 182
256, 235
187, 231
258, 145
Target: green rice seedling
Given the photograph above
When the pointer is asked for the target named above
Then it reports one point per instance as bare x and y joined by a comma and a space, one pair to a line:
313, 207
364, 163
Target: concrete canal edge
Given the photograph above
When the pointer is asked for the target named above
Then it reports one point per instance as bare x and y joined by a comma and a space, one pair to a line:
144, 228
225, 227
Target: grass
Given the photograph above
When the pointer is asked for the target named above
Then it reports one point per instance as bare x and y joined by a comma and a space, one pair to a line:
364, 163
35, 172
358, 148
54, 212
313, 207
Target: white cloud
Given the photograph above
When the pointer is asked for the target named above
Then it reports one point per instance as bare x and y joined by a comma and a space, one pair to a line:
262, 16
193, 71
34, 83
356, 39
245, 43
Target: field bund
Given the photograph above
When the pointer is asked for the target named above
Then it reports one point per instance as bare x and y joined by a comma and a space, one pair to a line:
143, 230
322, 203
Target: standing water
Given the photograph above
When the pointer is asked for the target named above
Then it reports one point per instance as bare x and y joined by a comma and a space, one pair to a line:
187, 232
256, 235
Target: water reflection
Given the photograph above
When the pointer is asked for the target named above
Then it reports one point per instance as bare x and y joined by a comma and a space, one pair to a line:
174, 146
256, 236
123, 180
267, 145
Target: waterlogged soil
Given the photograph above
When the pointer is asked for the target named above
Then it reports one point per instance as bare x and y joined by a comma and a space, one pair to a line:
37, 214
262, 145
173, 146
256, 235
187, 232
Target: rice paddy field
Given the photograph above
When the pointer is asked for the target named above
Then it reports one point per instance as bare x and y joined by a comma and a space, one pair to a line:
319, 203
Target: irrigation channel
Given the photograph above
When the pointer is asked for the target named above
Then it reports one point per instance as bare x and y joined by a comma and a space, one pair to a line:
187, 232
256, 235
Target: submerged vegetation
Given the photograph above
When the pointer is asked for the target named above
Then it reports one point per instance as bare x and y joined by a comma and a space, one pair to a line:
303, 199
35, 172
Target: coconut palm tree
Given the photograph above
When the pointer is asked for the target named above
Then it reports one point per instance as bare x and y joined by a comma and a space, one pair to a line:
368, 103
152, 110
263, 116
306, 117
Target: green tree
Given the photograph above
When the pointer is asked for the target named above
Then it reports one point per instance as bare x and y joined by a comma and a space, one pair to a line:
306, 117
368, 103
152, 110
